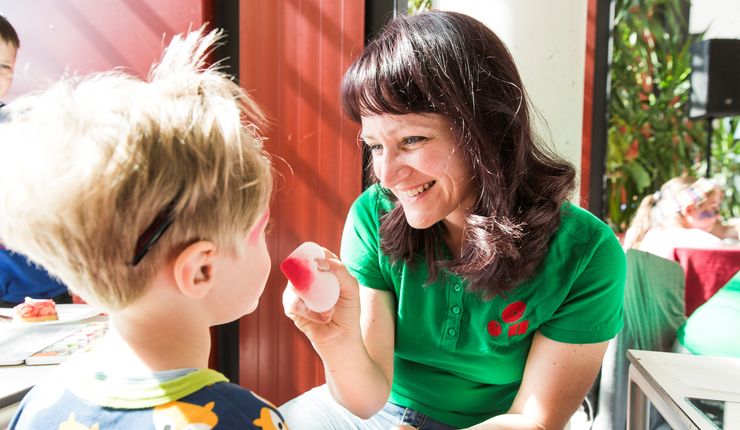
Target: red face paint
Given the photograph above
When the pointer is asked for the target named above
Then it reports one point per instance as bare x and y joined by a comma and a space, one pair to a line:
258, 227
298, 272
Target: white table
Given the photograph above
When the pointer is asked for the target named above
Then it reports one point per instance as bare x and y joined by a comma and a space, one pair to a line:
16, 382
666, 379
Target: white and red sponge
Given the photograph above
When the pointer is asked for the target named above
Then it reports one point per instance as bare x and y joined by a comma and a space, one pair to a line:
318, 290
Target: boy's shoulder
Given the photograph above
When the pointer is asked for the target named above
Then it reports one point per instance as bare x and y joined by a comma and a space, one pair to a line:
234, 407
193, 399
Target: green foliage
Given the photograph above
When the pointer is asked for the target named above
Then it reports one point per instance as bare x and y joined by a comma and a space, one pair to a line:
650, 137
726, 163
419, 5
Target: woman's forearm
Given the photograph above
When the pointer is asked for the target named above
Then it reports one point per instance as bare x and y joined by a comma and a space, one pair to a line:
354, 379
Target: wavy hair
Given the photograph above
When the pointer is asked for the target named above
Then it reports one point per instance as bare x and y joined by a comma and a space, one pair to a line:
450, 64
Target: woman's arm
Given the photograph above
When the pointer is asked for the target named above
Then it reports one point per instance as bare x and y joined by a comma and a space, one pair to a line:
727, 231
360, 378
356, 347
557, 378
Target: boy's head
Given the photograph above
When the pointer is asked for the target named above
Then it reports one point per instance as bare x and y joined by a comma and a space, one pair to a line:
92, 170
9, 44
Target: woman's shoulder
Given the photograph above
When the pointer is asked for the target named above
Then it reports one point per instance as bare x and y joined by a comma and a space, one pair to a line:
579, 225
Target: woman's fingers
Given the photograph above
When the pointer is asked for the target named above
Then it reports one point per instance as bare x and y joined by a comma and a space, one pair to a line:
347, 283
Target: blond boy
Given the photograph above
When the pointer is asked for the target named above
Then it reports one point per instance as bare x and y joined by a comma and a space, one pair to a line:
149, 199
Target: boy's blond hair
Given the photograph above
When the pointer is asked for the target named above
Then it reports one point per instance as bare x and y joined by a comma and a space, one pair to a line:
89, 164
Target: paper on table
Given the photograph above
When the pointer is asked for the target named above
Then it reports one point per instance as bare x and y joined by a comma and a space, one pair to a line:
17, 343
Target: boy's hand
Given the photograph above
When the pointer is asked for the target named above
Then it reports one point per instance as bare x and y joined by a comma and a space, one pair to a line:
336, 325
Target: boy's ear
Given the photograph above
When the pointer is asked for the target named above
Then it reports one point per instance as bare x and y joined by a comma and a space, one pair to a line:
193, 269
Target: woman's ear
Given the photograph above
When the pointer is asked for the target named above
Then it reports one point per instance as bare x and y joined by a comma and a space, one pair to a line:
193, 269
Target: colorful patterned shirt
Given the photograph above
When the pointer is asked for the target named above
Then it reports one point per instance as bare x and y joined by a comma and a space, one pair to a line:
76, 398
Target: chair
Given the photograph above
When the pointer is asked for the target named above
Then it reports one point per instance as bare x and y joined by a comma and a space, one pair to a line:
653, 311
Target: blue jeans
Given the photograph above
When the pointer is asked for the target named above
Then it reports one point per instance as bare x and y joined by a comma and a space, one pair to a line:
317, 410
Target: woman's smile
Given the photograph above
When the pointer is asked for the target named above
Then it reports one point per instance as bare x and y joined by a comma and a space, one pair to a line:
416, 156
410, 194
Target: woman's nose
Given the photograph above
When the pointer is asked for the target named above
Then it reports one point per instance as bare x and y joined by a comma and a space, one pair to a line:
390, 170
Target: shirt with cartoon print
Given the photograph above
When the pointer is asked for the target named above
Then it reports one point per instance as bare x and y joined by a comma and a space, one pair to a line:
197, 399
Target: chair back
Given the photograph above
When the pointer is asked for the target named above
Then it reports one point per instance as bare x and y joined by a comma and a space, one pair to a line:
653, 311
653, 302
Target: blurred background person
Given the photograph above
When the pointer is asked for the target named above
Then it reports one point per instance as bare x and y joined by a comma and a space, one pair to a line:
683, 214
18, 276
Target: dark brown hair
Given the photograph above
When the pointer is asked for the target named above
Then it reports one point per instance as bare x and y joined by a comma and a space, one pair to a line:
451, 64
8, 34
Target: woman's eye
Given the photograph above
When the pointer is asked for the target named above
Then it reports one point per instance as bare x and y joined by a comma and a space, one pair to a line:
373, 147
412, 140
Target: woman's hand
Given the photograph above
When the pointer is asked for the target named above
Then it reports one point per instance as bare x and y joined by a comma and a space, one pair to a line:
339, 324
357, 355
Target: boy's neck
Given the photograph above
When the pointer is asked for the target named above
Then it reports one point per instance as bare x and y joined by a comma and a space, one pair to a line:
157, 333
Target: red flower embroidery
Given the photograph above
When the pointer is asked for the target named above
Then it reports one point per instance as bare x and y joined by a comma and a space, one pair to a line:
511, 314
494, 328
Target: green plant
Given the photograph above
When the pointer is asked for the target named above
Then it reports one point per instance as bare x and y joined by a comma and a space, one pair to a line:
650, 137
419, 5
725, 163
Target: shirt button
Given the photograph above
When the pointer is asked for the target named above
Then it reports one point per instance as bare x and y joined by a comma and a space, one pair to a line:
457, 288
456, 309
451, 331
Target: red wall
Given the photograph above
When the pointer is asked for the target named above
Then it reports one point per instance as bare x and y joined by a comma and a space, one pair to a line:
81, 36
292, 57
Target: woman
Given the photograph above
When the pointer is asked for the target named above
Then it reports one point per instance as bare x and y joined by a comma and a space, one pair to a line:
487, 299
684, 213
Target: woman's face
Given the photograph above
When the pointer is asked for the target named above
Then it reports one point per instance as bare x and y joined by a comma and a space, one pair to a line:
416, 157
704, 215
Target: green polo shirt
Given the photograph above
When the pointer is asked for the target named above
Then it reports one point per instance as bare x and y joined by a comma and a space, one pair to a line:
460, 359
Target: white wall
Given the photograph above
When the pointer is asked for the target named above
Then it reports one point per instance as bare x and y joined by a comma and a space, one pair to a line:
721, 18
548, 41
